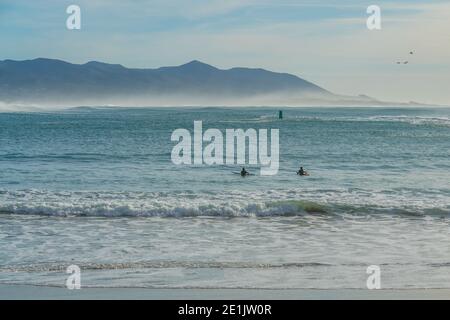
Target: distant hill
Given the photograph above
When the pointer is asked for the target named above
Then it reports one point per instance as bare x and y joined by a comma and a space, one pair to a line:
56, 82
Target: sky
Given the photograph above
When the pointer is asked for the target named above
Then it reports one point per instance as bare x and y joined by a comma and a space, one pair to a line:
326, 42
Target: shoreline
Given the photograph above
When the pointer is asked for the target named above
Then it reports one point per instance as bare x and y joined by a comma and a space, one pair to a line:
30, 292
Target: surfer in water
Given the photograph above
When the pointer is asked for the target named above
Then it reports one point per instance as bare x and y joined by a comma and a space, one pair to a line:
302, 172
244, 172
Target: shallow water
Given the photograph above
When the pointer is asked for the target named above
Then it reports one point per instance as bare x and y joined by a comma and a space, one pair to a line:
95, 187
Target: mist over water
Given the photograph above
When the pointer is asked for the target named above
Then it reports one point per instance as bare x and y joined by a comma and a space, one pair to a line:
96, 187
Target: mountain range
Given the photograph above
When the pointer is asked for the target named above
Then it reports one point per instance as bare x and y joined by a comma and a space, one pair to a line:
54, 82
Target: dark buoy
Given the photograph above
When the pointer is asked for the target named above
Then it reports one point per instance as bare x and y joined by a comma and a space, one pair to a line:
280, 115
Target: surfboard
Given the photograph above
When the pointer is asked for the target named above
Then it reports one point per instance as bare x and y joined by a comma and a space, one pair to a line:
249, 174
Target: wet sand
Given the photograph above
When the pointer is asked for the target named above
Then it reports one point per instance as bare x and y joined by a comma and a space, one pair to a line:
27, 292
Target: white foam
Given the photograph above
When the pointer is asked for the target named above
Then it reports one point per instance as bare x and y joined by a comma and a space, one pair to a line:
226, 204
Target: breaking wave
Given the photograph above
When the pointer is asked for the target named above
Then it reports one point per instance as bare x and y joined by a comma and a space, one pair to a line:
262, 204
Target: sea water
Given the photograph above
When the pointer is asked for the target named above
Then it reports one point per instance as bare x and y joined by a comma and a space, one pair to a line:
96, 187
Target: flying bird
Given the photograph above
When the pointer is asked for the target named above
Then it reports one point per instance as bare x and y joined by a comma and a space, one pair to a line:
405, 62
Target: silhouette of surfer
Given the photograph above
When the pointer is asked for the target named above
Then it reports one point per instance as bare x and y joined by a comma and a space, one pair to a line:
302, 172
244, 172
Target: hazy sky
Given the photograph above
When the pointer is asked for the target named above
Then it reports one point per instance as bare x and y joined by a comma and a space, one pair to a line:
326, 42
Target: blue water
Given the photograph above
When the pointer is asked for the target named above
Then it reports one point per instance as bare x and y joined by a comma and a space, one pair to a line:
97, 186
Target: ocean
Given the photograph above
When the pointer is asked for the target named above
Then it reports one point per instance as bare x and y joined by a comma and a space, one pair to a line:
96, 188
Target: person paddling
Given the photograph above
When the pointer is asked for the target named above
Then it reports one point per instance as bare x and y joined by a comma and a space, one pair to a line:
302, 172
244, 172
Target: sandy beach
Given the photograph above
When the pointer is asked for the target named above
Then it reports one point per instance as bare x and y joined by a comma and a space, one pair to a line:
26, 292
